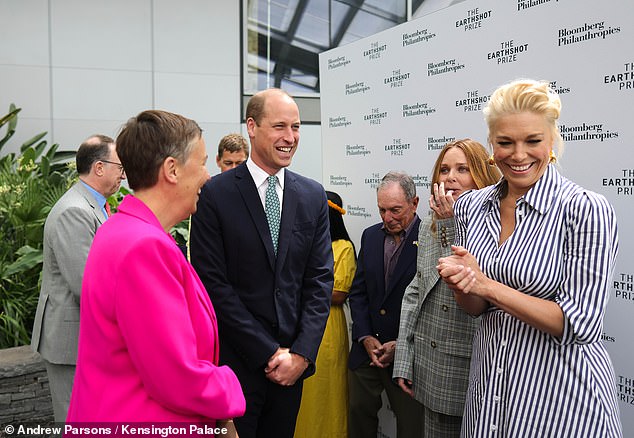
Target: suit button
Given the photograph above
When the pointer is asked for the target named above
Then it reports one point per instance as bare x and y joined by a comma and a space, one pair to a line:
445, 308
277, 292
382, 311
433, 344
419, 274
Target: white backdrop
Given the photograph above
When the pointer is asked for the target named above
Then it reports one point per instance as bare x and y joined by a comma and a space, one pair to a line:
391, 101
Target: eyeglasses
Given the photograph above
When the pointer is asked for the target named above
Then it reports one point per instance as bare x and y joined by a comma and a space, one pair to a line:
115, 163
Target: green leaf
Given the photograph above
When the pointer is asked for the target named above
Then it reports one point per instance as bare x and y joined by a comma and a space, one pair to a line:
30, 142
63, 156
12, 120
45, 166
40, 148
29, 258
51, 151
28, 154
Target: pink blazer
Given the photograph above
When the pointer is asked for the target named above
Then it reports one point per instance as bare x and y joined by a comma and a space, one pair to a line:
148, 341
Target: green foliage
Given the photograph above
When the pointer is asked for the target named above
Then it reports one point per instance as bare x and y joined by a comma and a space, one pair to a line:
30, 184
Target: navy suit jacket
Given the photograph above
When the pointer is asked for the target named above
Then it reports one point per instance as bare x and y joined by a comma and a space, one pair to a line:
376, 311
263, 302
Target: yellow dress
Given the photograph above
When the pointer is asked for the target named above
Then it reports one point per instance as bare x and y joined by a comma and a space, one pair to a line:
324, 408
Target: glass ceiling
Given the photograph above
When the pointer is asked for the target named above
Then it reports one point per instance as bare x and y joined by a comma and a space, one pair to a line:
285, 37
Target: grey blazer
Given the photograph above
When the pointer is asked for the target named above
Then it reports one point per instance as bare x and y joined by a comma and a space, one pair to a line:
68, 233
433, 348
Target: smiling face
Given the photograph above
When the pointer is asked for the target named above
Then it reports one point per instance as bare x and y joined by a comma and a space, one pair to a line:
275, 138
455, 172
521, 146
192, 176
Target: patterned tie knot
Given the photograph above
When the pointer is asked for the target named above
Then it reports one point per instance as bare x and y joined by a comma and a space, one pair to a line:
272, 210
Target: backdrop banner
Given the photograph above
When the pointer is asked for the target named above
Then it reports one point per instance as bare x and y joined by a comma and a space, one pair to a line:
393, 100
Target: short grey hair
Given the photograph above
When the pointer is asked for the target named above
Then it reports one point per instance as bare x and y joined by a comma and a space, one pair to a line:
401, 178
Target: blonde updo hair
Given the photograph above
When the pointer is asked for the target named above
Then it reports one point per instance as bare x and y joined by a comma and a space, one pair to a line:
526, 95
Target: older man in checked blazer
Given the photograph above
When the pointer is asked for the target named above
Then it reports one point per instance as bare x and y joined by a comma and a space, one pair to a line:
68, 233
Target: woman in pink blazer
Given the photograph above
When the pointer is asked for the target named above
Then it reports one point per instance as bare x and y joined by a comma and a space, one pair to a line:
148, 343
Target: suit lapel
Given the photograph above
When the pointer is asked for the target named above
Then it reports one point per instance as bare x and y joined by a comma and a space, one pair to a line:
289, 208
429, 259
249, 193
376, 257
90, 199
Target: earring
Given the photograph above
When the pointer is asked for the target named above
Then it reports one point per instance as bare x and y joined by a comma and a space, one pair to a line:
552, 157
491, 161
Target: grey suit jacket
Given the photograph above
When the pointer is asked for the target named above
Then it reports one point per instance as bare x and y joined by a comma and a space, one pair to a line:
433, 348
68, 233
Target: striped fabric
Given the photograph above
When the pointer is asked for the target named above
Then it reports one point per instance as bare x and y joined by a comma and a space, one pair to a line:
524, 382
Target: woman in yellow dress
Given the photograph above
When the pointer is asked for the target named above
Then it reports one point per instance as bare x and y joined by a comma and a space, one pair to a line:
324, 408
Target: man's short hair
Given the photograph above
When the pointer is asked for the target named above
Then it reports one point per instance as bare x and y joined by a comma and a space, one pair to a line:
233, 143
403, 179
255, 106
94, 148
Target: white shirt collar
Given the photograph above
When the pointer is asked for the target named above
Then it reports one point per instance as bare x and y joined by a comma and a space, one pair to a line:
260, 176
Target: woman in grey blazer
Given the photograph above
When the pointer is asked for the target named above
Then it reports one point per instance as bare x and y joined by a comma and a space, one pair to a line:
433, 349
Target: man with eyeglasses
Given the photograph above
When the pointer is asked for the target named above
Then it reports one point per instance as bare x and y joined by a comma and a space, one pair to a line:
68, 233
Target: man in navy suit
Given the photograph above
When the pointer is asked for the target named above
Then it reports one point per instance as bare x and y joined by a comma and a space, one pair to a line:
269, 274
386, 265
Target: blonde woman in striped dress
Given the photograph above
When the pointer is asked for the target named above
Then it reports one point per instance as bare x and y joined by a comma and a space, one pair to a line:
536, 257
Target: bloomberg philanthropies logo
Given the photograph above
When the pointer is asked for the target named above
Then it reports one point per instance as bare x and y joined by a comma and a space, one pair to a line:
437, 143
587, 131
417, 109
527, 4
558, 88
357, 150
339, 180
357, 87
421, 181
444, 66
418, 36
340, 61
585, 32
338, 122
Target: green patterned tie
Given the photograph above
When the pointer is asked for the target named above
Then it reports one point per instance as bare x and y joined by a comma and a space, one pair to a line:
272, 209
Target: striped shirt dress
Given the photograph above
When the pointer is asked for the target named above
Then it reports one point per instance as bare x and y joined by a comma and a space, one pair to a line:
524, 382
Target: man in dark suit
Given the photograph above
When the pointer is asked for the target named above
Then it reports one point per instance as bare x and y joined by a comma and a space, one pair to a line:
386, 265
68, 233
268, 273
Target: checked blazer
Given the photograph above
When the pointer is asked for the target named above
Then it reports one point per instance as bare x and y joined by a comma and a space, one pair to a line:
433, 348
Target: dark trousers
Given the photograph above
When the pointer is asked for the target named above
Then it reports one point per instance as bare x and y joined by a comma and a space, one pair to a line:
271, 409
366, 384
